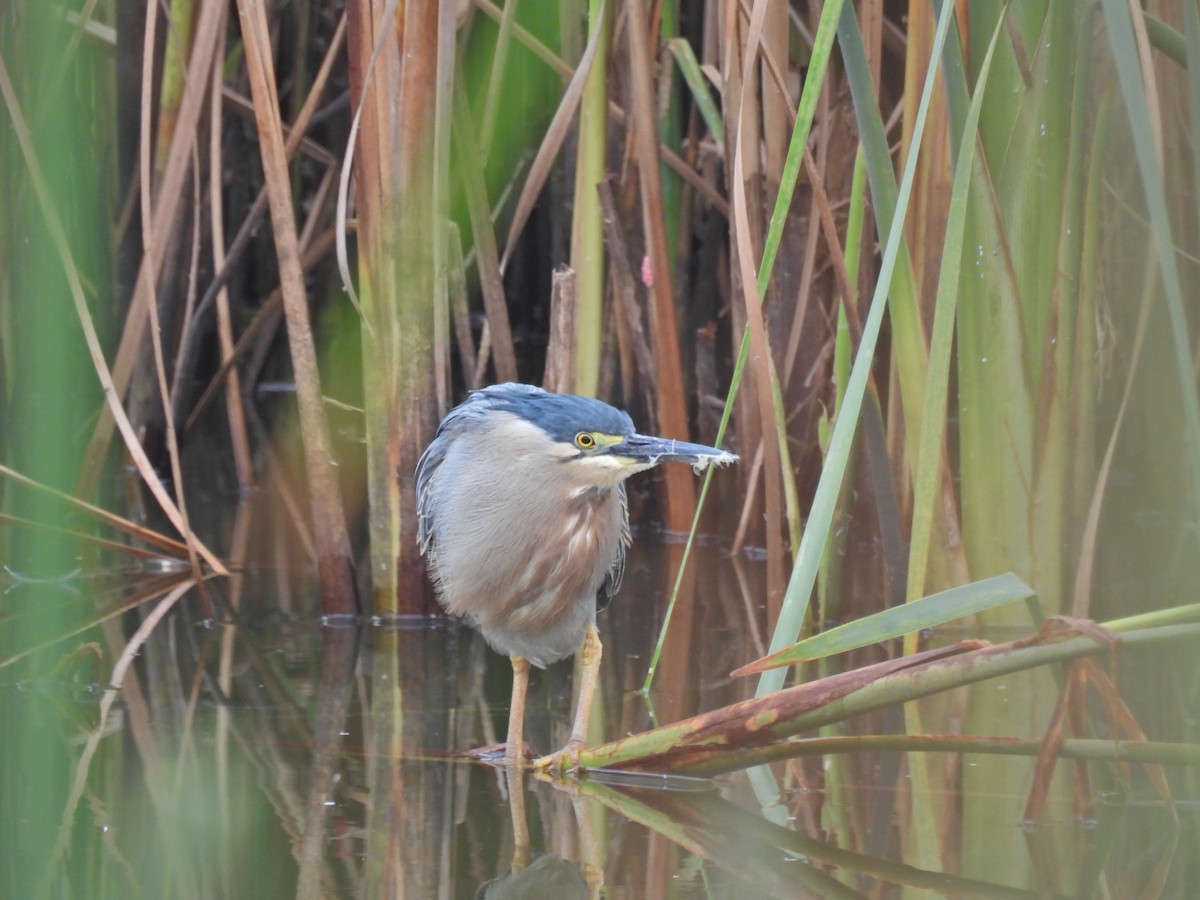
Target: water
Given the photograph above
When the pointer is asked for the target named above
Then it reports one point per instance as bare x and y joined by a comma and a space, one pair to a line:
288, 757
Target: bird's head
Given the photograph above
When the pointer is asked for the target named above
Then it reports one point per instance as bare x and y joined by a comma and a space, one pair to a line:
596, 441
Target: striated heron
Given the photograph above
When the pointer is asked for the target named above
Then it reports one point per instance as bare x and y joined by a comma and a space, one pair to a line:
524, 525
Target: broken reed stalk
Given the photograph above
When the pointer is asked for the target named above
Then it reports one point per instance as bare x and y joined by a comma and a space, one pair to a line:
701, 744
559, 373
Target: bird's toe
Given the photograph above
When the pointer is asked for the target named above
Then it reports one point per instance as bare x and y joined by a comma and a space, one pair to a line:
561, 761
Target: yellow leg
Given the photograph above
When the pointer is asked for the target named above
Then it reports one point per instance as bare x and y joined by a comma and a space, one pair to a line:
514, 746
568, 757
514, 776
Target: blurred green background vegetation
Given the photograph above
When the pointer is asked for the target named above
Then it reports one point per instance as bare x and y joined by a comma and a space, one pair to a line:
948, 344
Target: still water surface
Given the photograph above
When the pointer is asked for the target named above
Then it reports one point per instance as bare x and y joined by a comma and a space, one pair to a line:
294, 757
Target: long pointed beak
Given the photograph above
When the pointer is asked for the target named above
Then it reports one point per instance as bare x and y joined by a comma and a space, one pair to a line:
644, 452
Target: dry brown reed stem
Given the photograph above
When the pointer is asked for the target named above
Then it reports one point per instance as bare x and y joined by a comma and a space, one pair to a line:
334, 562
456, 288
314, 253
777, 111
130, 528
165, 205
761, 359
705, 744
672, 400
421, 142
559, 373
400, 61
146, 192
164, 392
670, 396
235, 414
624, 288
824, 214
225, 258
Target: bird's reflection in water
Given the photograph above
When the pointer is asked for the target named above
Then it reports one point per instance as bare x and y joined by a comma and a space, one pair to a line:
544, 876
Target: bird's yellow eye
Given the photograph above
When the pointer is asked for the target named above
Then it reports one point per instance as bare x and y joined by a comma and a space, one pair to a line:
585, 441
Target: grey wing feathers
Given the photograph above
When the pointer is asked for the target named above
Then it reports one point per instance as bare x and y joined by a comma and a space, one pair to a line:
431, 462
427, 469
616, 569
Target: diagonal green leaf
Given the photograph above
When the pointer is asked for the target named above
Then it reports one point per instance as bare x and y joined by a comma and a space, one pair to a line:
928, 612
804, 573
818, 63
1165, 38
816, 533
685, 57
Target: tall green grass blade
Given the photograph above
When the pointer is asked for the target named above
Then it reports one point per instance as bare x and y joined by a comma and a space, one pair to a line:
819, 62
1022, 404
828, 579
964, 119
1133, 89
924, 846
808, 559
908, 336
587, 224
53, 117
1191, 19
817, 66
799, 589
927, 484
495, 83
670, 132
855, 219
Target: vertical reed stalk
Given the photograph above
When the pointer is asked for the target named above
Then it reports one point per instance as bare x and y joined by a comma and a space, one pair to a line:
334, 561
587, 223
400, 73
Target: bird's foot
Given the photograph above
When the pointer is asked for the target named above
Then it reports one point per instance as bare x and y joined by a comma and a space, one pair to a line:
560, 762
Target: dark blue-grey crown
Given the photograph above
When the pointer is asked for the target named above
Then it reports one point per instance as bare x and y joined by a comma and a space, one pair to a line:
561, 416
